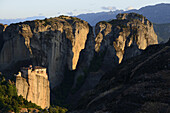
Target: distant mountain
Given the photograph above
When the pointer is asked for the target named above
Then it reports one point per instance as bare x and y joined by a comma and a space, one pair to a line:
162, 31
157, 14
9, 21
93, 18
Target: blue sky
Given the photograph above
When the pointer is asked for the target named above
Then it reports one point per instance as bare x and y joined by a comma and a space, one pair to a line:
11, 9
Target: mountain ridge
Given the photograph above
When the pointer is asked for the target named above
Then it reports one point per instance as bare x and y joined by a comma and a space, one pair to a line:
152, 12
17, 20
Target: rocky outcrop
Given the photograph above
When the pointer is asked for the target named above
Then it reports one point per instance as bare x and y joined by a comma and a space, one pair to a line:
34, 86
124, 37
116, 40
54, 43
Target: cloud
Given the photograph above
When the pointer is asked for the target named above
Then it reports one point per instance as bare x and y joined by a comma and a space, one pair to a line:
109, 8
129, 8
92, 4
70, 13
58, 13
40, 14
75, 10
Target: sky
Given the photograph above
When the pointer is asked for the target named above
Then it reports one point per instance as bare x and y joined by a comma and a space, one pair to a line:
12, 9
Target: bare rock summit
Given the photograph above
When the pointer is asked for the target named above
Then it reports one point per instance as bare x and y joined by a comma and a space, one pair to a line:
54, 43
124, 36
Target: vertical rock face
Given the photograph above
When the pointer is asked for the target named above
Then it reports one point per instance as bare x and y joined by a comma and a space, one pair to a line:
1, 37
54, 43
124, 36
33, 85
115, 41
2, 29
81, 33
86, 56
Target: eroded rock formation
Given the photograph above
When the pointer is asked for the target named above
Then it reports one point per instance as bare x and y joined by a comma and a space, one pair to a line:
33, 85
125, 35
116, 40
54, 43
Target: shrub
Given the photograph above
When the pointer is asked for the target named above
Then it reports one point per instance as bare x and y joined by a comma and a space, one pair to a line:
57, 109
9, 100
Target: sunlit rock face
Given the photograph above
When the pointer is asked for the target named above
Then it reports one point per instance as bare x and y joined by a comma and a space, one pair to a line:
115, 41
128, 34
54, 43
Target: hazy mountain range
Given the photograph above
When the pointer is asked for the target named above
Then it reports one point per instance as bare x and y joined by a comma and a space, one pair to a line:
162, 31
157, 14
9, 21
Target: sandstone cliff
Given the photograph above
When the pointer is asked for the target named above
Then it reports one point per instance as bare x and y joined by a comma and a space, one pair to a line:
34, 87
54, 43
124, 36
116, 40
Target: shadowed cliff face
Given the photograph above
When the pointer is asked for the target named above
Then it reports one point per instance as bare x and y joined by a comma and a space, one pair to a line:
138, 85
125, 35
55, 43
1, 38
2, 29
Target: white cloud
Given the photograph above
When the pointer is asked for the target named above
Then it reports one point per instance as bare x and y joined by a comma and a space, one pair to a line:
75, 10
40, 14
129, 8
109, 8
70, 13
